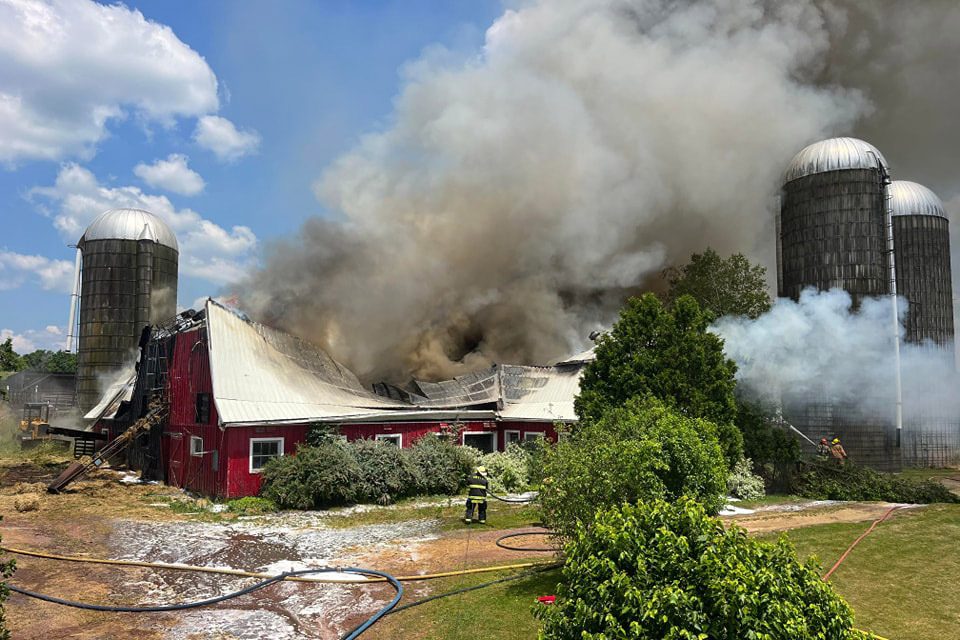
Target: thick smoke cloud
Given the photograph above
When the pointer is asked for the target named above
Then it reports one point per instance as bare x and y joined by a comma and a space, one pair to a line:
819, 347
518, 196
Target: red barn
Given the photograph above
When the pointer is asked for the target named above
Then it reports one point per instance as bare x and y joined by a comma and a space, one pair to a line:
241, 393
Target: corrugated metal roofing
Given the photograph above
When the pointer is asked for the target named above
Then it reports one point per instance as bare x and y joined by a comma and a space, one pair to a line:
263, 375
912, 199
539, 393
119, 391
130, 224
834, 154
517, 392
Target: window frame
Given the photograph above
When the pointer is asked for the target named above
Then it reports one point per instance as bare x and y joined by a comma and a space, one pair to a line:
463, 439
195, 452
506, 437
530, 436
196, 407
278, 439
391, 436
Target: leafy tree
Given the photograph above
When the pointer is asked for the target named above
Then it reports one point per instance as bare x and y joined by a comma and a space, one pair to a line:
640, 451
665, 569
10, 360
51, 361
731, 286
669, 354
762, 441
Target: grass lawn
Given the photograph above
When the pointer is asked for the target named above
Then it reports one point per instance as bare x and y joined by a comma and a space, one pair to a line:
450, 514
903, 580
500, 612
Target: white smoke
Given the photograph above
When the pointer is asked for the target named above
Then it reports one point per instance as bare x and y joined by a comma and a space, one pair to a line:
820, 348
517, 197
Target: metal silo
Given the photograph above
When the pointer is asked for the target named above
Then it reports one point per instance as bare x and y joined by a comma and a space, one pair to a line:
921, 244
833, 232
831, 225
128, 281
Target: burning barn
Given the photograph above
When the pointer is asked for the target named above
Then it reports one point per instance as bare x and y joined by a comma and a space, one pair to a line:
239, 393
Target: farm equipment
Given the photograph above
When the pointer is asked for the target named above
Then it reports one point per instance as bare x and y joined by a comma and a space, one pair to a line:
35, 424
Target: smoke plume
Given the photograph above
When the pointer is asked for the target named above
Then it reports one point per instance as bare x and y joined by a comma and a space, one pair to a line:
819, 348
518, 196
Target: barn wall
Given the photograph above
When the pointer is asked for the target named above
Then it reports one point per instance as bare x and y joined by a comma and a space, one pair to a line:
240, 481
189, 375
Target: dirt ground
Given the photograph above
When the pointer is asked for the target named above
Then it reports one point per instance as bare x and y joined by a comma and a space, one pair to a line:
104, 517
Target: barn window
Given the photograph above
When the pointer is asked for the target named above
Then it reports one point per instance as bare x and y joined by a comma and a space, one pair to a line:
530, 436
393, 438
485, 441
203, 408
196, 446
262, 450
512, 436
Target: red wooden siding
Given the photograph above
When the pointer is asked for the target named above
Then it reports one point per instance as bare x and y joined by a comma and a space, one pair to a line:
240, 482
189, 375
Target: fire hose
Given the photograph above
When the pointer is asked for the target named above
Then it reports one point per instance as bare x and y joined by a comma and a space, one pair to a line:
182, 606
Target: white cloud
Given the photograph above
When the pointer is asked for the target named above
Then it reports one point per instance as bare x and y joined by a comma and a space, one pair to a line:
54, 330
207, 250
171, 174
21, 343
69, 67
224, 139
17, 269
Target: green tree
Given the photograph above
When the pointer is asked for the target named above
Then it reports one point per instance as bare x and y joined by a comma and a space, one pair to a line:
50, 361
669, 354
667, 570
731, 286
62, 362
10, 360
641, 451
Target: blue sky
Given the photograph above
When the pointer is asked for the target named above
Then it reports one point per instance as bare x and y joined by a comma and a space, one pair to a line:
222, 123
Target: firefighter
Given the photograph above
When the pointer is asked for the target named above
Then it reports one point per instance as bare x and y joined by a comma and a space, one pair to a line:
837, 451
823, 449
477, 496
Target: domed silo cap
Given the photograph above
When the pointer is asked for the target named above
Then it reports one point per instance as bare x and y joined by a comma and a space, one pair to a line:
834, 154
912, 199
130, 224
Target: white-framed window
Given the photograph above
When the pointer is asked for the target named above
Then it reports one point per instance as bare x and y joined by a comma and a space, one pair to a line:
196, 446
511, 436
395, 438
530, 436
263, 450
485, 441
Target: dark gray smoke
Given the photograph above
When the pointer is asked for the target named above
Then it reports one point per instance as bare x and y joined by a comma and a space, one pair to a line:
516, 197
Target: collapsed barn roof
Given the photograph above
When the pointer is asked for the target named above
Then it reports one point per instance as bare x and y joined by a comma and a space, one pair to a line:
261, 375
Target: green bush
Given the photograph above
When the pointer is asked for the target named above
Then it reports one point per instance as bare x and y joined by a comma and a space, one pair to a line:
315, 478
828, 481
387, 472
251, 506
764, 442
742, 483
508, 470
442, 466
668, 570
641, 451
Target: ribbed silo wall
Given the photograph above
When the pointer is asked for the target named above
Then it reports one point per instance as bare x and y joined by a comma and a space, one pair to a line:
921, 245
865, 427
832, 234
125, 285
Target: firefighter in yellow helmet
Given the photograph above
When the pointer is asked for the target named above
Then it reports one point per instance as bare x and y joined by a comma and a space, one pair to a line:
837, 451
477, 484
